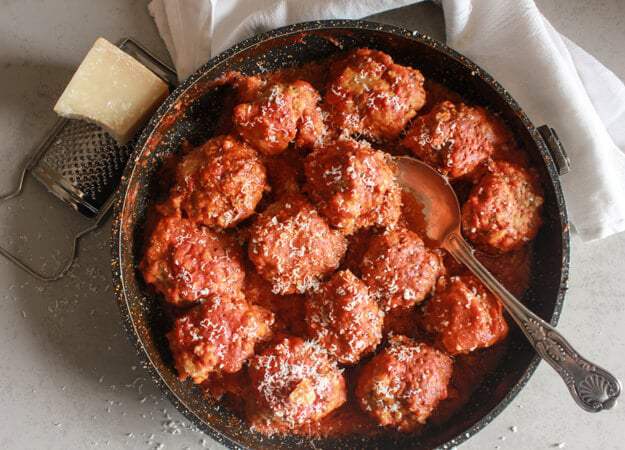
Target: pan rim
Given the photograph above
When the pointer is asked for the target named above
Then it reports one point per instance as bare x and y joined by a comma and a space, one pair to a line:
117, 239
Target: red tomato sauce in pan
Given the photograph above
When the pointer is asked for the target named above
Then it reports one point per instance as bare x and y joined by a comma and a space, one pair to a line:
301, 292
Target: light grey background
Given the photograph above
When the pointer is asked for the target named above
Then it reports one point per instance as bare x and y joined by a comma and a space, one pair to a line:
68, 377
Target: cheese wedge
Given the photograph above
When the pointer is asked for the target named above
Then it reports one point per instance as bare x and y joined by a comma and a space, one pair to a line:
113, 90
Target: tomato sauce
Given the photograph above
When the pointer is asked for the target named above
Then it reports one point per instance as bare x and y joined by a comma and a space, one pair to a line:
285, 298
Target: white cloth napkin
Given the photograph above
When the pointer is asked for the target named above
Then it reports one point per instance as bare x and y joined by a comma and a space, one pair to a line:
554, 80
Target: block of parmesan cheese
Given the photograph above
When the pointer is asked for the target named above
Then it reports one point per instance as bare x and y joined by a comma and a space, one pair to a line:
113, 90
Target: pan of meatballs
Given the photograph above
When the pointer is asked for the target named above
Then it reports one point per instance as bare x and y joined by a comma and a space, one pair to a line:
274, 277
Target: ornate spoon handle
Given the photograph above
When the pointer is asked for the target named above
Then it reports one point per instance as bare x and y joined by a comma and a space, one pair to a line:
593, 388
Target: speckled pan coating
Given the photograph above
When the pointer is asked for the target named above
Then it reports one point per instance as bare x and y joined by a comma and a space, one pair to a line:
188, 114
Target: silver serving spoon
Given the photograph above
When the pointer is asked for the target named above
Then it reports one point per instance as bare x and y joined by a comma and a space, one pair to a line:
592, 387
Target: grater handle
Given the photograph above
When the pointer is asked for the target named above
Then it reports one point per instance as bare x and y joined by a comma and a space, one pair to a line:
15, 193
32, 162
69, 262
40, 276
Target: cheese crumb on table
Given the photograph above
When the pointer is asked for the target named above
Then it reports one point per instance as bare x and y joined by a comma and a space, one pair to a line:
113, 90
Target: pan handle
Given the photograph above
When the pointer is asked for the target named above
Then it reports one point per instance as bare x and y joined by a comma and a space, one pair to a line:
551, 139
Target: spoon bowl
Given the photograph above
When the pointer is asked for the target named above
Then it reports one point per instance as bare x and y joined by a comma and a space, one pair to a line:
432, 191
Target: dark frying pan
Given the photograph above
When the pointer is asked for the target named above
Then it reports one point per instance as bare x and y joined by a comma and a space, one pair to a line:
190, 113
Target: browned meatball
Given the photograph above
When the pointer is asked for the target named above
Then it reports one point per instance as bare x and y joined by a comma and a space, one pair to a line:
294, 382
220, 183
292, 247
288, 309
371, 95
503, 211
270, 122
451, 138
399, 270
217, 336
353, 185
401, 386
464, 316
312, 131
187, 263
343, 318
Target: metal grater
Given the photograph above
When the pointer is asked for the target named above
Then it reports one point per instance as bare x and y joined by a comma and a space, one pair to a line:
81, 164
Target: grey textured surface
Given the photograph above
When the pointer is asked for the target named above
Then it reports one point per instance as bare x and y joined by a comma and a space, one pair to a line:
69, 377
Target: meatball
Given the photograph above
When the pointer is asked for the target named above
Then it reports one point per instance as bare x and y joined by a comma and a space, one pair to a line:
292, 246
294, 382
398, 269
503, 211
187, 263
464, 316
217, 336
371, 95
343, 318
450, 138
312, 130
288, 309
220, 183
353, 185
270, 122
401, 386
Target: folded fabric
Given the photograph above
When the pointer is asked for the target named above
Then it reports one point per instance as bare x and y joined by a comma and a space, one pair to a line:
557, 83
554, 80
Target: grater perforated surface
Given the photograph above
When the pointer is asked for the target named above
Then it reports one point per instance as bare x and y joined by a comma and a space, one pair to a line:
89, 159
